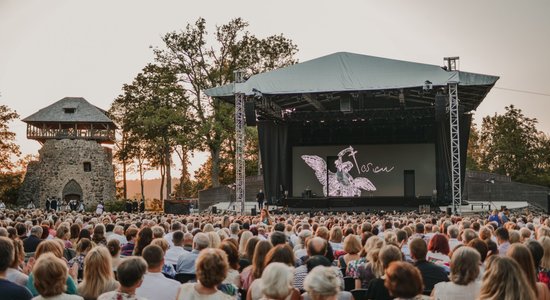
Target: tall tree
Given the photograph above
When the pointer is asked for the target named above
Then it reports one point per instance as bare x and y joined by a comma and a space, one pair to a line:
201, 66
9, 150
511, 144
473, 159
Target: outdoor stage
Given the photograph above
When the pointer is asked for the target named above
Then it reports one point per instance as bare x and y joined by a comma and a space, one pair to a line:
359, 132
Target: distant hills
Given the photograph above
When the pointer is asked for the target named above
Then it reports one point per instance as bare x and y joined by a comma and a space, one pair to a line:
151, 188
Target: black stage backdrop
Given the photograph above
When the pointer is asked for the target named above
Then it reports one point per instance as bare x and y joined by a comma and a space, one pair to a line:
273, 139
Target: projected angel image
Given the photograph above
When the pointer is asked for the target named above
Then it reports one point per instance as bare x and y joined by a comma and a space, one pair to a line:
340, 183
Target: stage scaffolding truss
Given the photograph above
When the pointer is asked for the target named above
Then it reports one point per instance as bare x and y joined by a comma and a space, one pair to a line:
239, 143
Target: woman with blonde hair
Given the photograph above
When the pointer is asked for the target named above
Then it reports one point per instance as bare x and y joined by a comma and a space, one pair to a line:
544, 272
504, 280
15, 273
50, 274
352, 247
55, 247
276, 283
372, 266
214, 239
335, 238
521, 254
464, 272
321, 283
98, 274
257, 267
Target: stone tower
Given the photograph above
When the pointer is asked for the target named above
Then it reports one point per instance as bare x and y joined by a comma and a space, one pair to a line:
73, 164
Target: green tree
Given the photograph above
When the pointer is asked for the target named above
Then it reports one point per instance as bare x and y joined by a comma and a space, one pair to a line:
511, 144
201, 66
9, 150
473, 159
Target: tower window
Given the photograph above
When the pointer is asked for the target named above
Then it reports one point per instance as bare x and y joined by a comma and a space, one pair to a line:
69, 110
87, 167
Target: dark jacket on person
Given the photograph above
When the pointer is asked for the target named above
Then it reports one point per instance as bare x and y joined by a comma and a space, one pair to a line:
30, 243
431, 273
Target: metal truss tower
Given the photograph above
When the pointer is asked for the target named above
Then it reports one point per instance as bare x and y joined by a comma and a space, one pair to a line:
239, 141
455, 136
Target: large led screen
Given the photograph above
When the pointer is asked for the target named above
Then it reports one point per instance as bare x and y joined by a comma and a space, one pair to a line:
363, 170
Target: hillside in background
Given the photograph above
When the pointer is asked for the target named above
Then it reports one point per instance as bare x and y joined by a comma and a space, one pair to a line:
151, 188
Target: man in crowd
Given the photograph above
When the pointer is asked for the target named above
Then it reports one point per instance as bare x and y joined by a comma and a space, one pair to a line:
186, 262
33, 240
431, 273
155, 285
503, 240
176, 250
176, 226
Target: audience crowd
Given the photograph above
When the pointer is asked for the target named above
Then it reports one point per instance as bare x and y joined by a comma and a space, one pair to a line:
122, 256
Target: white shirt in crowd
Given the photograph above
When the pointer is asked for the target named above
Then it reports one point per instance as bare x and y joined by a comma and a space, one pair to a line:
120, 238
168, 238
173, 254
156, 286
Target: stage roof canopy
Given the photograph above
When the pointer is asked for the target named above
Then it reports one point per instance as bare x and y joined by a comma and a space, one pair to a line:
314, 85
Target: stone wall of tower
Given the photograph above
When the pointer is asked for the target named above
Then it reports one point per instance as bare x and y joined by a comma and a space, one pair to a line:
61, 161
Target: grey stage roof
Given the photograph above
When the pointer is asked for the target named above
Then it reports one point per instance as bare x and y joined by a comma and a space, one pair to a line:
84, 112
314, 85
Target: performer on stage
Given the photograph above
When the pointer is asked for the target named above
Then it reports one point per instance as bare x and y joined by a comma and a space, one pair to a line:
99, 208
48, 203
30, 205
260, 197
142, 206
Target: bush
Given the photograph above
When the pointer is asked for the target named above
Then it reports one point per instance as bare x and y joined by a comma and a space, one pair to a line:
114, 205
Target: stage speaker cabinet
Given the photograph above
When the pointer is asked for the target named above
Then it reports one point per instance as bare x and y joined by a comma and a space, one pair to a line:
449, 211
440, 107
250, 113
253, 211
214, 210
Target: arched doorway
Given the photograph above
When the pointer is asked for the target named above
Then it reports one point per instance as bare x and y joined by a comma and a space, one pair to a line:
72, 191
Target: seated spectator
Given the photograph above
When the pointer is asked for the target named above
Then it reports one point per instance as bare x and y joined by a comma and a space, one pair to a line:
503, 279
315, 246
130, 274
186, 262
167, 269
118, 234
255, 270
15, 272
31, 243
113, 246
144, 238
131, 236
352, 247
50, 275
8, 289
211, 270
155, 285
233, 261
430, 272
403, 280
82, 248
245, 259
98, 274
376, 288
521, 254
544, 271
176, 249
188, 242
275, 283
464, 272
56, 248
438, 250
321, 283
63, 233
503, 240
372, 267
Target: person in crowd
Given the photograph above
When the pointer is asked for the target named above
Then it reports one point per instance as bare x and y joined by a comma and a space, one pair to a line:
503, 240
438, 250
264, 217
56, 248
464, 272
544, 271
8, 289
31, 243
211, 269
244, 259
276, 283
131, 236
186, 262
495, 218
98, 274
155, 285
16, 273
174, 227
371, 268
84, 234
114, 250
521, 254
321, 283
75, 232
82, 249
50, 273
167, 269
99, 235
63, 233
403, 280
335, 238
352, 247
176, 250
430, 272
130, 274
245, 275
232, 253
315, 246
144, 238
504, 280
376, 288
258, 264
99, 208
118, 234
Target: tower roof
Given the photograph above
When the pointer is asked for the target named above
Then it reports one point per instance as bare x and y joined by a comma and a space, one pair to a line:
69, 110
